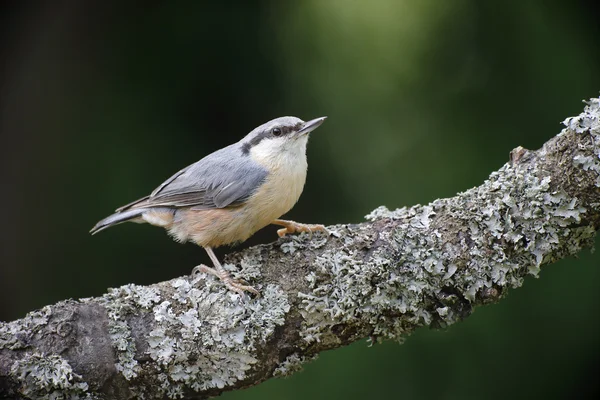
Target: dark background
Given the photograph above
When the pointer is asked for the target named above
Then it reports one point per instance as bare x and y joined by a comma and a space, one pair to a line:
103, 100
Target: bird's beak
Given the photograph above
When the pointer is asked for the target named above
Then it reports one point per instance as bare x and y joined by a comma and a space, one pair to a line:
311, 125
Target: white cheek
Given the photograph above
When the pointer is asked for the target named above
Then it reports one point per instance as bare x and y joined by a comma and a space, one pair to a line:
266, 150
277, 150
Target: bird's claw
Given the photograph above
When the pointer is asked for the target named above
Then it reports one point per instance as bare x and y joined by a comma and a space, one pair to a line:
293, 227
238, 286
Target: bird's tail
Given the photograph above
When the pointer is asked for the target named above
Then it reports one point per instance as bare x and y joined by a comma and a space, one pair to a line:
117, 218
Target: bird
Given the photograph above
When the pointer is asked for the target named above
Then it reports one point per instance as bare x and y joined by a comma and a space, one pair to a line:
228, 195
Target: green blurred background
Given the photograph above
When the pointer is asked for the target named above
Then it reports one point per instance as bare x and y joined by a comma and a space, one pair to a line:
103, 100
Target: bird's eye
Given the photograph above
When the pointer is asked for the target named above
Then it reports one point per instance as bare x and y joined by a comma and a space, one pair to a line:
276, 132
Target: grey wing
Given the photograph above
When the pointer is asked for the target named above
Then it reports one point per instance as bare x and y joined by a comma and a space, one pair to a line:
225, 178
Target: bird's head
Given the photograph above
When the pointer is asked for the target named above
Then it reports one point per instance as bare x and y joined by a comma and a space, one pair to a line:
284, 136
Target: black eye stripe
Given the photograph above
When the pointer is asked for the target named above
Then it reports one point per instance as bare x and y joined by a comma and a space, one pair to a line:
283, 130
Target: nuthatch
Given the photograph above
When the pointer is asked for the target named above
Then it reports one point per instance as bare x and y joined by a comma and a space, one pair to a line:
230, 194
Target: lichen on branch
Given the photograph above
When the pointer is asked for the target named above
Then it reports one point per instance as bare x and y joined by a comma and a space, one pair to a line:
427, 265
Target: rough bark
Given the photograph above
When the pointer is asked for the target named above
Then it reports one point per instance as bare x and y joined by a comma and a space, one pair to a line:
420, 266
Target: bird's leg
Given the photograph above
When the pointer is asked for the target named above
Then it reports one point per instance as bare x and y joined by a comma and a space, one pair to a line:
223, 275
292, 227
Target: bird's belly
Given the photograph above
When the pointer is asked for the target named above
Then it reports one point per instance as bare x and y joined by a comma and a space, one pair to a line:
211, 228
218, 227
274, 198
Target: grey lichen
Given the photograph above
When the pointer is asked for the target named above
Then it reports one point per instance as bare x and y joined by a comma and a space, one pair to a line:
48, 377
312, 241
384, 212
515, 222
119, 303
292, 364
205, 339
203, 336
250, 265
588, 122
11, 334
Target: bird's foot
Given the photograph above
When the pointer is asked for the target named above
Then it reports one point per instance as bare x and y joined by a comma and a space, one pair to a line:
293, 227
228, 281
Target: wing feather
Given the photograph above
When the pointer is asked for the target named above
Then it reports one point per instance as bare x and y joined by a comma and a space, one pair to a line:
225, 178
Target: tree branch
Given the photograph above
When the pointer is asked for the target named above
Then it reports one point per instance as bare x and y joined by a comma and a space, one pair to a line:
419, 266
